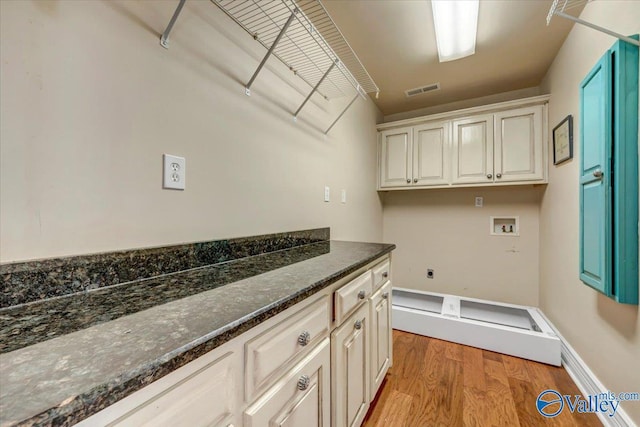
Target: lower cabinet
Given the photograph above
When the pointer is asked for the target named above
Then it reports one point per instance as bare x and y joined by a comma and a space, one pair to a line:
300, 368
350, 376
205, 392
380, 337
300, 398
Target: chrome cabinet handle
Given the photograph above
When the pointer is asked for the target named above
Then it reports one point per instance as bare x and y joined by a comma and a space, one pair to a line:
361, 294
385, 295
408, 181
303, 383
358, 324
489, 176
304, 338
598, 174
415, 179
499, 175
385, 274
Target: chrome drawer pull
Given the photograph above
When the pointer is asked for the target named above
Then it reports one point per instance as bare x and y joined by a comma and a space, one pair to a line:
358, 324
361, 294
303, 383
385, 295
597, 174
304, 338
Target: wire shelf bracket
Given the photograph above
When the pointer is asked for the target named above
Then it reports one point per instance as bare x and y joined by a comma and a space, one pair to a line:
270, 51
302, 35
164, 38
558, 8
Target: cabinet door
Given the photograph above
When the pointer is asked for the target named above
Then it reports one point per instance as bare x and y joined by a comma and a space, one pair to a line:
473, 150
595, 158
300, 399
395, 153
431, 158
380, 337
518, 147
350, 372
624, 60
204, 392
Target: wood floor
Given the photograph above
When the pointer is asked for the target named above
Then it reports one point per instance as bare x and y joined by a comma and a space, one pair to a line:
439, 383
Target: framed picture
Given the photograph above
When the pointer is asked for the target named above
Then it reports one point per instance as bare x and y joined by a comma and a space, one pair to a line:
563, 140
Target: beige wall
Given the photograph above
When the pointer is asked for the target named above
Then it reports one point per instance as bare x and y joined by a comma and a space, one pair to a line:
604, 333
443, 230
90, 102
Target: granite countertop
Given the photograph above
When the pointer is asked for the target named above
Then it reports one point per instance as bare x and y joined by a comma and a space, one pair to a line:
134, 334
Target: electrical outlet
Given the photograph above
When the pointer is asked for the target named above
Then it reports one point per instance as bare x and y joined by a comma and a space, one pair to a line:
430, 273
174, 172
479, 202
327, 194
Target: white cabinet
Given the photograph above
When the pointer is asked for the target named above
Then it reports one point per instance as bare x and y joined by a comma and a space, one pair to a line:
351, 295
271, 353
380, 337
518, 145
415, 156
297, 369
350, 369
502, 147
395, 163
431, 154
473, 150
492, 145
299, 399
205, 392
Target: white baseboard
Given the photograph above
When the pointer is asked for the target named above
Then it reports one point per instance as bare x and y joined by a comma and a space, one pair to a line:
587, 382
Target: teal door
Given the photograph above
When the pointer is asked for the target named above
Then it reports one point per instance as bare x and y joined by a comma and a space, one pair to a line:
624, 60
595, 191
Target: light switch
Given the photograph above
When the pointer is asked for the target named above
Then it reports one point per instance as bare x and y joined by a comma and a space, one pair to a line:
343, 196
327, 194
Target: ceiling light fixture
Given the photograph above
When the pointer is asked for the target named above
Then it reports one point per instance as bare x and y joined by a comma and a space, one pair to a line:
456, 24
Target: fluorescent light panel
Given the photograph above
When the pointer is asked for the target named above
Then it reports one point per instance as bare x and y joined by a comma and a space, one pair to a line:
456, 23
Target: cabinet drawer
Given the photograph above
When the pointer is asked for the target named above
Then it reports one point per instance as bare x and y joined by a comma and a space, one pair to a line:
301, 398
381, 273
268, 353
351, 295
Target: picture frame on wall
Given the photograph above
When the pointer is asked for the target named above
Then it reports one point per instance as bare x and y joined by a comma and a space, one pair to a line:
563, 140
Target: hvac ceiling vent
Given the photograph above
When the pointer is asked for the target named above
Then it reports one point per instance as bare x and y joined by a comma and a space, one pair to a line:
423, 89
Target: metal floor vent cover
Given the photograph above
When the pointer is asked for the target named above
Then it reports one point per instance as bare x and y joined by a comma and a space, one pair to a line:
423, 89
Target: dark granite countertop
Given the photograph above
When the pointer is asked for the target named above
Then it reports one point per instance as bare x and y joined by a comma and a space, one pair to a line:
133, 334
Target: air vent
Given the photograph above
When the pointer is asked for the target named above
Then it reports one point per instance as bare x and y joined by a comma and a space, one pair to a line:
423, 89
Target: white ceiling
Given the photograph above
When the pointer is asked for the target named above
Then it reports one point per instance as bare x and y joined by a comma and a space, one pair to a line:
395, 41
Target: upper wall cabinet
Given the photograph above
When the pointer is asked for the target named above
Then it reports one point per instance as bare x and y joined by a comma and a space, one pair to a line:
518, 145
473, 150
395, 150
499, 144
415, 156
